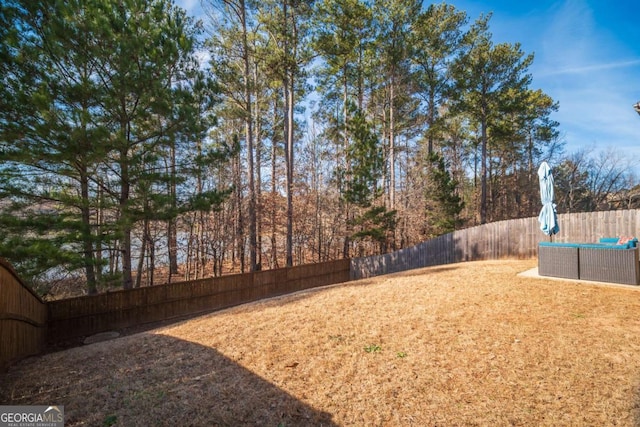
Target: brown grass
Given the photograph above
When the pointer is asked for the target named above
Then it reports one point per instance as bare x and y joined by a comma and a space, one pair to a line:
463, 344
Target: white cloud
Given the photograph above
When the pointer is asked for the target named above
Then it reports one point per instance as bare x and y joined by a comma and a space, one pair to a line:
589, 68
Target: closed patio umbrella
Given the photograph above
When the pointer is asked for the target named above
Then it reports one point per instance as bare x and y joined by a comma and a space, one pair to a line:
548, 218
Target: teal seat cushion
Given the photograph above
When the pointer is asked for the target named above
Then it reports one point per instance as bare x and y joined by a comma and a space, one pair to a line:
560, 244
611, 240
628, 245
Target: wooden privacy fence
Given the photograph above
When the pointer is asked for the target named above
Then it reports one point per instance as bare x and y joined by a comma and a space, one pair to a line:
27, 323
77, 317
23, 317
517, 238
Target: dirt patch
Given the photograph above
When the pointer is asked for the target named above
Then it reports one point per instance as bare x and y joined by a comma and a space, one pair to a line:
463, 344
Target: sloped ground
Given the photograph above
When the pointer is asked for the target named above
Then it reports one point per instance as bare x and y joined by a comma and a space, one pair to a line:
462, 344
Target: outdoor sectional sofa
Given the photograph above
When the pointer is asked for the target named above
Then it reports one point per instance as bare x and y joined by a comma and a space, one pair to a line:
606, 261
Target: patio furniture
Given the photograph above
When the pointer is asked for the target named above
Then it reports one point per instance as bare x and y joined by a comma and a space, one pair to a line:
558, 260
606, 261
609, 264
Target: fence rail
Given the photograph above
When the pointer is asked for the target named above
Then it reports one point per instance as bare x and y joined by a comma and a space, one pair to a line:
23, 317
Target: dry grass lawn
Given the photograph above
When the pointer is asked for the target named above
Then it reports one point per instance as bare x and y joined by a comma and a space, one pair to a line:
462, 344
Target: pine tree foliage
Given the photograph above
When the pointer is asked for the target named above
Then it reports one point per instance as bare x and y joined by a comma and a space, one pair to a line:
101, 92
362, 182
446, 205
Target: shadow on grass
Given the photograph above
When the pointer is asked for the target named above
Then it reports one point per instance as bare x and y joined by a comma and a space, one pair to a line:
153, 379
425, 271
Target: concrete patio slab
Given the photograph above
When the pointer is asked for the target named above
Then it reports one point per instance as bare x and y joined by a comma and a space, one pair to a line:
533, 274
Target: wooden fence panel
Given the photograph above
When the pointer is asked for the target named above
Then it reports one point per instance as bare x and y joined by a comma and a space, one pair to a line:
77, 317
517, 238
23, 317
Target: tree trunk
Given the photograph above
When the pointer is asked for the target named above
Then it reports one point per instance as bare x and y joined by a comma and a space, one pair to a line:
240, 246
289, 162
483, 173
253, 244
152, 260
99, 223
89, 261
172, 231
392, 146
143, 247
125, 220
274, 208
344, 205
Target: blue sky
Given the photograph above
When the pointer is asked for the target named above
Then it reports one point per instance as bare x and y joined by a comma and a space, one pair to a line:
587, 58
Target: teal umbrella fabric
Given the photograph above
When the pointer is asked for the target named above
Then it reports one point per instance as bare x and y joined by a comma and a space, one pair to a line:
548, 217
